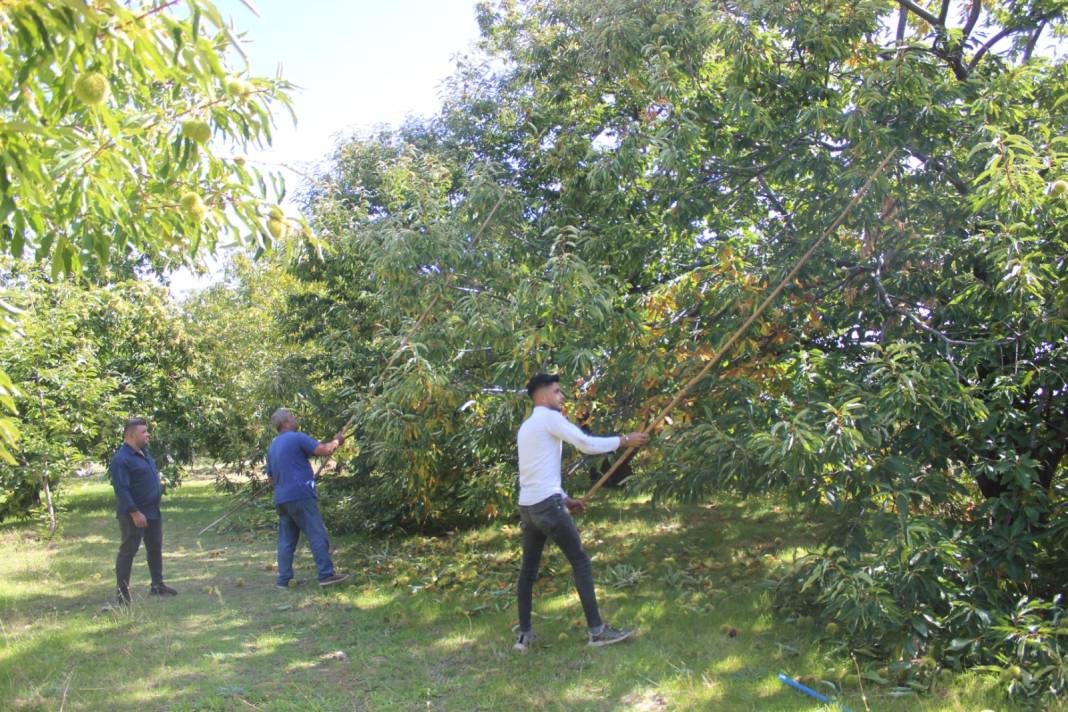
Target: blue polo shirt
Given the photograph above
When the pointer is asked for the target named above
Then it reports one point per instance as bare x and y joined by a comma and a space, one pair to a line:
288, 466
136, 482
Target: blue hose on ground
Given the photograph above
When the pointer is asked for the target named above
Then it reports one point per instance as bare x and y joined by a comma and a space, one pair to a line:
809, 691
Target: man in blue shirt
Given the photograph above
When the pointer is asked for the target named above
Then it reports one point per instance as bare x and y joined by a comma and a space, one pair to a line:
290, 473
137, 495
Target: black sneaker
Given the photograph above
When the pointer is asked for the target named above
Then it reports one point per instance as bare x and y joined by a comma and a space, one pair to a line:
333, 579
292, 583
525, 641
608, 636
162, 589
122, 595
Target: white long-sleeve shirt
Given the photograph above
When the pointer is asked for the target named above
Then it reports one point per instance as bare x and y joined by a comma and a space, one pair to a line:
541, 441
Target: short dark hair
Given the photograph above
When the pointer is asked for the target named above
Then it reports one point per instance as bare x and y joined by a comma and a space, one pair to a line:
540, 381
132, 423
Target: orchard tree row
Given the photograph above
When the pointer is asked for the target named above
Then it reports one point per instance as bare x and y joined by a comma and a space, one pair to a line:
608, 190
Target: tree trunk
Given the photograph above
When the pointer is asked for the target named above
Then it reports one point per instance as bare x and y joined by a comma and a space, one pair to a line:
52, 524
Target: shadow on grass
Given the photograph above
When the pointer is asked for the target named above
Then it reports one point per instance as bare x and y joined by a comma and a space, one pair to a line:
426, 623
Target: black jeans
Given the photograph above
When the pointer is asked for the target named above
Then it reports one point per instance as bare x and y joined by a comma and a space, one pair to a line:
131, 542
549, 519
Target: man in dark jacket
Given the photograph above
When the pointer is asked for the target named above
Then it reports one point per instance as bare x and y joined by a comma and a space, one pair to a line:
137, 495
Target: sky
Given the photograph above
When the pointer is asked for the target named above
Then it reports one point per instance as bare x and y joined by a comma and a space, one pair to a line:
358, 64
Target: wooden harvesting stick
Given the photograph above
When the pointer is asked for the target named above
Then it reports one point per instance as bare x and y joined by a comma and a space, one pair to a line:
684, 391
396, 354
418, 323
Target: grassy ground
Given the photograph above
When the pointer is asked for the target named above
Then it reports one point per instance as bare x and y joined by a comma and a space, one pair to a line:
425, 624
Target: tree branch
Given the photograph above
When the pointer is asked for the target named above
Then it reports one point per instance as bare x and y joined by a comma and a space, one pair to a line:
153, 11
777, 203
1033, 41
1005, 32
935, 163
854, 272
944, 13
931, 19
919, 323
973, 17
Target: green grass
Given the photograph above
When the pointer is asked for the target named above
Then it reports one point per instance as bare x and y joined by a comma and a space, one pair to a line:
426, 624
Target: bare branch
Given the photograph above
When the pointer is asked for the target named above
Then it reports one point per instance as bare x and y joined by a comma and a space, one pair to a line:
777, 203
1033, 41
854, 272
153, 11
935, 163
1039, 23
931, 19
1005, 32
902, 23
973, 17
919, 323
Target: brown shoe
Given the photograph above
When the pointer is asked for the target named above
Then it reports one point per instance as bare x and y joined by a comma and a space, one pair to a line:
333, 579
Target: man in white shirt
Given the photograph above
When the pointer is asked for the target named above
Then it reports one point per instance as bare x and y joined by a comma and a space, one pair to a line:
545, 509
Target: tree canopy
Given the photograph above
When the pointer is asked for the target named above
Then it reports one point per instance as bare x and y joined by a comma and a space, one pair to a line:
608, 190
658, 167
123, 132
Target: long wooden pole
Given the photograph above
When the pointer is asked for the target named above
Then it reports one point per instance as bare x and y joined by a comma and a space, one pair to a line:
243, 503
685, 390
405, 341
418, 322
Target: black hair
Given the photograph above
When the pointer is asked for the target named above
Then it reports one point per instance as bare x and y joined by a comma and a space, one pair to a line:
132, 423
540, 381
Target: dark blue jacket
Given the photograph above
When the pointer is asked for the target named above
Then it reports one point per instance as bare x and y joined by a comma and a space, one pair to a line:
136, 481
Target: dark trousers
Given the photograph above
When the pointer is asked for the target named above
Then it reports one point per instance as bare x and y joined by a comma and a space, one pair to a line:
549, 519
131, 542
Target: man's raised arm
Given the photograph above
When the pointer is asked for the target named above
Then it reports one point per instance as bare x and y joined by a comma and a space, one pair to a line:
570, 433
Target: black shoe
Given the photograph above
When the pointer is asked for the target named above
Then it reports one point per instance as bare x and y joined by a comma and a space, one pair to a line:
333, 579
122, 595
608, 636
293, 583
162, 589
